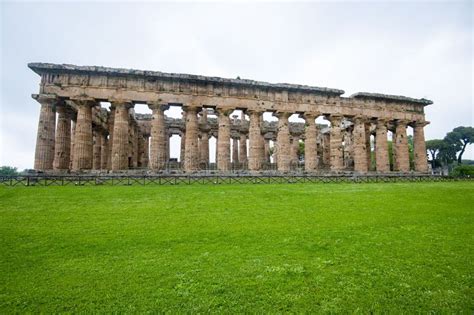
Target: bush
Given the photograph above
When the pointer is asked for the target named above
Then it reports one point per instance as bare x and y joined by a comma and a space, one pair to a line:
8, 170
463, 171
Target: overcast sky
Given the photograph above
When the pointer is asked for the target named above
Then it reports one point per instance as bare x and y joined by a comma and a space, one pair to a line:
422, 49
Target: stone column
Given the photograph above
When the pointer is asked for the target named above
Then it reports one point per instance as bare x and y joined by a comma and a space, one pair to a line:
400, 147
266, 144
158, 137
310, 142
146, 153
335, 143
254, 159
83, 139
360, 149
120, 136
283, 142
223, 140
110, 128
368, 145
243, 149
73, 134
381, 147
44, 152
235, 150
326, 144
204, 148
62, 149
348, 148
419, 147
295, 148
104, 150
191, 153
167, 147
96, 149
183, 138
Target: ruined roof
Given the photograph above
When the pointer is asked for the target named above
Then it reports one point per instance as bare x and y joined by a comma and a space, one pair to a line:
40, 68
388, 97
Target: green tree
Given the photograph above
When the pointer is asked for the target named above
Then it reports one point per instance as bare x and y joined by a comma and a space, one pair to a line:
460, 137
434, 147
8, 170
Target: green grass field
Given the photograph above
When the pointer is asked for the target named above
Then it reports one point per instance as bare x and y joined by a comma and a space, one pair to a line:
250, 248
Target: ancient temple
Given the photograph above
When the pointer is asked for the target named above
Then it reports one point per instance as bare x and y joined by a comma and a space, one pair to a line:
77, 134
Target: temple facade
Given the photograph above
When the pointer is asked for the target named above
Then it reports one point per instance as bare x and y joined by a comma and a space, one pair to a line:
77, 134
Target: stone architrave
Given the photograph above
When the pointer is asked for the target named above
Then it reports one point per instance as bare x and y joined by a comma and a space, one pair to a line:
283, 142
402, 160
360, 149
62, 149
120, 136
335, 143
83, 139
158, 137
382, 163
419, 147
310, 142
223, 140
44, 152
254, 159
191, 153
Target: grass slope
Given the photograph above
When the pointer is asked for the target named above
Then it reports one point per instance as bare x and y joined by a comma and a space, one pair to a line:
250, 248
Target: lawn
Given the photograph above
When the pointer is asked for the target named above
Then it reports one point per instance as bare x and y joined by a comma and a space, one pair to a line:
399, 247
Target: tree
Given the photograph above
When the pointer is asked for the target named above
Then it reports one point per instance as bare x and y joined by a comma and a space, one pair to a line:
460, 137
434, 147
447, 153
8, 170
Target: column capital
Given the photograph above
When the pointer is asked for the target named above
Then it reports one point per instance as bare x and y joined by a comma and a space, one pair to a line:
310, 117
224, 111
361, 119
334, 118
282, 115
81, 101
50, 99
191, 109
158, 106
401, 122
421, 124
121, 103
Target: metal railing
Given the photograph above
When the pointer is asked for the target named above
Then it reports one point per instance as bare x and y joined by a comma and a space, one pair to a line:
211, 179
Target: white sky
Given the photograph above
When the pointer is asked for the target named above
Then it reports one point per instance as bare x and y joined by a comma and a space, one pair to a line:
417, 49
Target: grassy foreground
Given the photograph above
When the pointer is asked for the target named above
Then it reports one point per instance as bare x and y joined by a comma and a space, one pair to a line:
251, 248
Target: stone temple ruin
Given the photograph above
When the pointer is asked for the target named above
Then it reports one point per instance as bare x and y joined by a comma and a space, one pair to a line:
76, 134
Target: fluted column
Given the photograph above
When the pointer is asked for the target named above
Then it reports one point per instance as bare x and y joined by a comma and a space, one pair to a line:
73, 135
295, 148
335, 143
104, 150
62, 148
83, 140
110, 126
96, 149
158, 137
283, 142
367, 145
310, 142
243, 148
419, 146
381, 147
191, 153
146, 152
44, 152
235, 150
254, 159
402, 159
360, 145
204, 148
348, 148
120, 136
223, 140
266, 154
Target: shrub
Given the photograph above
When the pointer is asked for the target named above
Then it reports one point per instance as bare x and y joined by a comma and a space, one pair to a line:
463, 171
